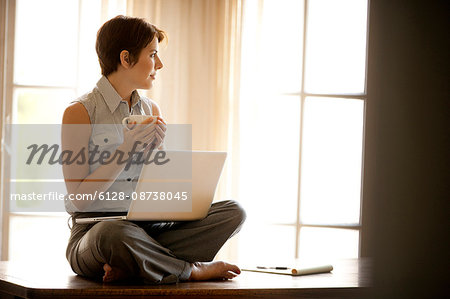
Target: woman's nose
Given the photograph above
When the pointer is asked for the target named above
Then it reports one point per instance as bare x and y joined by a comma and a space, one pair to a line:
159, 63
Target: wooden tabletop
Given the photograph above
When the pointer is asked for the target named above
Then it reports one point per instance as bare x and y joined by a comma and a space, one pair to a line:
349, 279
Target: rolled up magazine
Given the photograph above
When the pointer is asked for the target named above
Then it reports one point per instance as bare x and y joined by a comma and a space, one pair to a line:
295, 271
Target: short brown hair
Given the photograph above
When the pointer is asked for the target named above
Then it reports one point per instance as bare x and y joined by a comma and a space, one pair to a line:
123, 33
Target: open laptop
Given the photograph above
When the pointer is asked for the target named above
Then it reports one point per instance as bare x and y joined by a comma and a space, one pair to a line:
188, 181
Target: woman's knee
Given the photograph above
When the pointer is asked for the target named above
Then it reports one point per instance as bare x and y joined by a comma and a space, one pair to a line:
236, 212
240, 212
114, 233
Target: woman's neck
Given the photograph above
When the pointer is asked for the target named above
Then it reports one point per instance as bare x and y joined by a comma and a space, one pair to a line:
121, 86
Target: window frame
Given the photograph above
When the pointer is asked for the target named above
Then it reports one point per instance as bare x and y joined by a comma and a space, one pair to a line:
8, 11
302, 95
8, 89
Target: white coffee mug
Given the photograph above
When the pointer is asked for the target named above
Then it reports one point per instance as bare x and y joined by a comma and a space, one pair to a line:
138, 119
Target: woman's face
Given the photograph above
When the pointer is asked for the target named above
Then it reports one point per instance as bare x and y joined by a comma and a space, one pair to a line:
143, 73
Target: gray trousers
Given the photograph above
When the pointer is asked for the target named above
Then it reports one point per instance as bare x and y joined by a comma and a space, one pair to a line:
157, 252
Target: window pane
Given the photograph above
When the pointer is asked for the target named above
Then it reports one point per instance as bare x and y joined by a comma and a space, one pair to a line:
261, 244
114, 8
272, 45
331, 161
282, 44
46, 42
41, 237
328, 243
89, 67
269, 157
40, 106
336, 46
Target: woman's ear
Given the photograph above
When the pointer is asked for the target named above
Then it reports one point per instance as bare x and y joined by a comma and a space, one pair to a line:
125, 59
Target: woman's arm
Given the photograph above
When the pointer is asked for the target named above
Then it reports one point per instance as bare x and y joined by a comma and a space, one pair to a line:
76, 132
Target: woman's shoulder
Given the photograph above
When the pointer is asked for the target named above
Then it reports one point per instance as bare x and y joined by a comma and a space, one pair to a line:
81, 109
88, 99
76, 113
152, 105
147, 101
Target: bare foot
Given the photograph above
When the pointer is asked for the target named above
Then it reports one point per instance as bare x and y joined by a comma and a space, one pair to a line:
213, 270
113, 274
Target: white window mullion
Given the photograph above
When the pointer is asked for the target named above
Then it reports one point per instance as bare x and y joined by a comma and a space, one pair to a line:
8, 10
302, 105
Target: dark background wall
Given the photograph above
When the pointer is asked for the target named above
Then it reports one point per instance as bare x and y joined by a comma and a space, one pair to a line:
405, 195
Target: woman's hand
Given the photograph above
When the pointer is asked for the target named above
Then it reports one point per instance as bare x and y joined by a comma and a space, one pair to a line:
160, 134
143, 136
